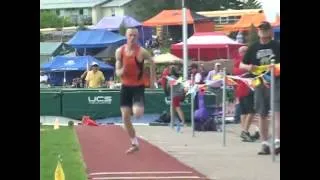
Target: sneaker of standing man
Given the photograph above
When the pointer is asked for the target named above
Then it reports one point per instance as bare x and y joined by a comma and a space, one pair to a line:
129, 67
261, 53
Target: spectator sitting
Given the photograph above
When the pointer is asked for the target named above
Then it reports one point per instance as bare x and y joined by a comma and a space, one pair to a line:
203, 72
216, 71
76, 83
195, 75
216, 89
43, 80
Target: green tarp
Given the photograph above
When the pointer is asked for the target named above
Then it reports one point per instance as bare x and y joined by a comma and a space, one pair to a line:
50, 103
95, 104
105, 104
100, 104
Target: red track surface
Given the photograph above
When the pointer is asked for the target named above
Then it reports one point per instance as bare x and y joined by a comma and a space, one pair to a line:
103, 149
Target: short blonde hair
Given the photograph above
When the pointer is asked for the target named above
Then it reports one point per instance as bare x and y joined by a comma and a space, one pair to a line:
132, 29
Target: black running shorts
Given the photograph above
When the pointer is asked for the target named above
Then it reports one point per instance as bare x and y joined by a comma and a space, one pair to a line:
130, 95
246, 104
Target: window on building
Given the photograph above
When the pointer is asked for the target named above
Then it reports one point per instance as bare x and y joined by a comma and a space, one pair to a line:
226, 20
86, 12
73, 11
232, 19
58, 12
62, 12
223, 20
216, 20
81, 11
113, 12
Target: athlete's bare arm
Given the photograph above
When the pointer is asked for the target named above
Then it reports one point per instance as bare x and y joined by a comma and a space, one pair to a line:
147, 56
119, 65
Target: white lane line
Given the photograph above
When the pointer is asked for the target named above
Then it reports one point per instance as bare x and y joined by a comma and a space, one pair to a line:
135, 124
150, 177
142, 172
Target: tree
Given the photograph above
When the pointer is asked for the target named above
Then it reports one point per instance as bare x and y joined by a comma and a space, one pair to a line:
252, 4
212, 5
81, 27
253, 35
143, 9
122, 30
231, 4
41, 37
51, 20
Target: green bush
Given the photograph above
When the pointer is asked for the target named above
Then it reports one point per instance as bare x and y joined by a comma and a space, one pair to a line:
51, 20
230, 97
41, 37
253, 35
81, 27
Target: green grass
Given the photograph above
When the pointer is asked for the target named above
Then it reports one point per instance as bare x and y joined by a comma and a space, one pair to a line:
64, 142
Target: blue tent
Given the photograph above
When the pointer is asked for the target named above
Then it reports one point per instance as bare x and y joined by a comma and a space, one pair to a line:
95, 39
276, 32
113, 23
77, 63
68, 68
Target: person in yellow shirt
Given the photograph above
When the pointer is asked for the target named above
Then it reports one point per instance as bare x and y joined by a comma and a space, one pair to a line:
95, 77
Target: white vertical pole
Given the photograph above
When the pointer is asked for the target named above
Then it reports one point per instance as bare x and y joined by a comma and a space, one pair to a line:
224, 107
64, 79
185, 45
192, 114
272, 88
172, 118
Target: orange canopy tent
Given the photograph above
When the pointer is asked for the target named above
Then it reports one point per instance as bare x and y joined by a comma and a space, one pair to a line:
277, 21
245, 22
174, 17
168, 18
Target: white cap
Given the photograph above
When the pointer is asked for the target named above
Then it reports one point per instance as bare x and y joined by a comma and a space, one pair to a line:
94, 63
217, 64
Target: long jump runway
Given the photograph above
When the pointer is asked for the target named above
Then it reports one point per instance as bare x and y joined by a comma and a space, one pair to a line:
103, 150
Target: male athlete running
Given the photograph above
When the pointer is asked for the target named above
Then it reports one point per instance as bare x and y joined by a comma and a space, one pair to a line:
129, 67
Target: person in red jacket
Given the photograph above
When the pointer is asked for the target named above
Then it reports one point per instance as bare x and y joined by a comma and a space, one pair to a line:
163, 80
245, 98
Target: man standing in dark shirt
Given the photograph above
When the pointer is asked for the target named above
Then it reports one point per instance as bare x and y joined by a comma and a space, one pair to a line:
261, 53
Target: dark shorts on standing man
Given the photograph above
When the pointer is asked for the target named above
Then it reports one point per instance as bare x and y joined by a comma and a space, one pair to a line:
130, 95
262, 98
246, 104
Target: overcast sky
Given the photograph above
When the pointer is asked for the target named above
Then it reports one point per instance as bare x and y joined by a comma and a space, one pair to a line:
271, 8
